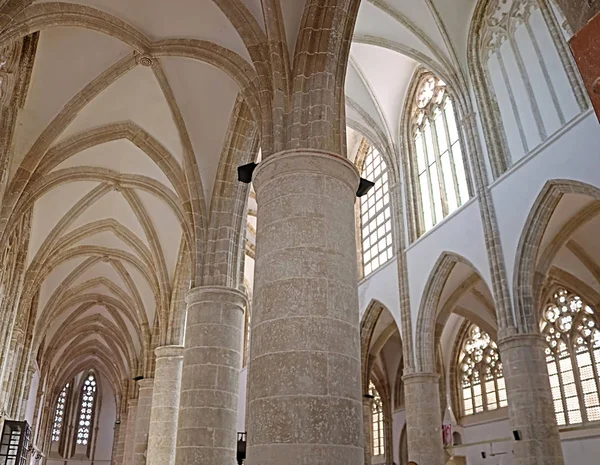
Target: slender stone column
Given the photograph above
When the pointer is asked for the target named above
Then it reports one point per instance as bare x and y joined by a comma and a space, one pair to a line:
424, 418
142, 421
212, 358
165, 406
530, 405
304, 387
367, 422
120, 439
130, 431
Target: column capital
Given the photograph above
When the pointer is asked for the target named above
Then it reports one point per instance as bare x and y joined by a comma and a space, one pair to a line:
216, 294
418, 378
146, 383
306, 161
521, 340
169, 352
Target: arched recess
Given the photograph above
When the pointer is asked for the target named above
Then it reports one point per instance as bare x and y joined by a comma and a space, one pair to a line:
454, 286
381, 353
557, 232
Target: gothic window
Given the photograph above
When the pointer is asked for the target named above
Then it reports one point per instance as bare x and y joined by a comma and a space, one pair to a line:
480, 373
375, 213
525, 61
570, 327
88, 397
59, 414
377, 422
438, 163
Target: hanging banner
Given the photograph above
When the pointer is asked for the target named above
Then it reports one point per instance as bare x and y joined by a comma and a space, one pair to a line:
447, 434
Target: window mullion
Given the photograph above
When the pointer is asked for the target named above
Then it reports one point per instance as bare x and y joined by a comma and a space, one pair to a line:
561, 384
417, 185
451, 151
429, 184
578, 387
440, 171
595, 369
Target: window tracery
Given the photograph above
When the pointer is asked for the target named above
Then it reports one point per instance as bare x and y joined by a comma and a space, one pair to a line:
522, 51
377, 421
375, 213
437, 153
481, 375
570, 328
88, 397
59, 414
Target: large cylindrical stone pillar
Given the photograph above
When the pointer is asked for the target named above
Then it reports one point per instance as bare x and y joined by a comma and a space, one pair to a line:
530, 405
142, 421
165, 406
130, 431
423, 418
212, 358
304, 387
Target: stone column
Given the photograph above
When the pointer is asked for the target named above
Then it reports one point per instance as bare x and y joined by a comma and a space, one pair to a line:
130, 431
142, 421
367, 422
165, 406
424, 418
530, 405
212, 358
121, 437
304, 386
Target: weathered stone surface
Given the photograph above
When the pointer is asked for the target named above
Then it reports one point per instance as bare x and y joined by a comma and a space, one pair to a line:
165, 406
579, 12
130, 431
304, 398
424, 418
206, 432
142, 421
530, 406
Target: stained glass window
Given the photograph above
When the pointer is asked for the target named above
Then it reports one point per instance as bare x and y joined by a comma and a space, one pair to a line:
376, 221
59, 414
438, 159
377, 422
88, 396
570, 327
480, 373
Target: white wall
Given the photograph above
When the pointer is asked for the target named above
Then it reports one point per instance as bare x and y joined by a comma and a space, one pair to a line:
106, 423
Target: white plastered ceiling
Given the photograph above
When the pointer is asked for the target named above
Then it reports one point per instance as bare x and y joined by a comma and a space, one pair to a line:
107, 231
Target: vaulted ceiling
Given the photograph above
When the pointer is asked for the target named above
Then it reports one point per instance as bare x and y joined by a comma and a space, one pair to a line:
115, 146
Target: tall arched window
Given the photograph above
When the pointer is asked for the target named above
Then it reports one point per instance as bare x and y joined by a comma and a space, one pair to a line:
377, 422
437, 162
375, 213
59, 414
480, 373
530, 79
570, 327
86, 410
